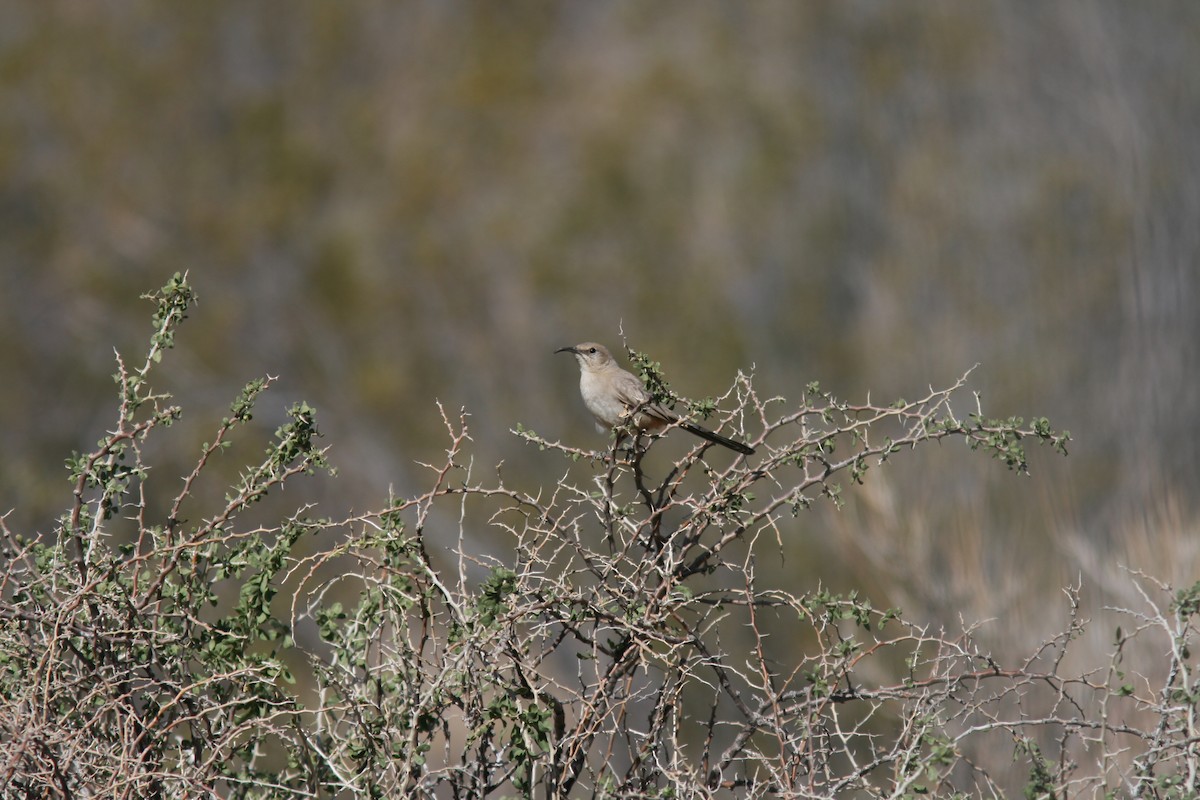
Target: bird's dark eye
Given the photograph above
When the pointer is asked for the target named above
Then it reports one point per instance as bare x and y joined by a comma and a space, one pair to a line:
591, 349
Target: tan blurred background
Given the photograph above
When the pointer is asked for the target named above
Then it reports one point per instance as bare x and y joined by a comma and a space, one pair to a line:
389, 203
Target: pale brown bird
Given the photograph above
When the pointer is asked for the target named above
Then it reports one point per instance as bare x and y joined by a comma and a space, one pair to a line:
612, 394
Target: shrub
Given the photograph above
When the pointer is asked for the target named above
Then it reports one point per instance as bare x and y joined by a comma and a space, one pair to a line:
623, 645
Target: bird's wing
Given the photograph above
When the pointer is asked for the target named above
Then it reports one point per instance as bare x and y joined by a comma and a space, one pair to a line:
634, 395
661, 412
629, 390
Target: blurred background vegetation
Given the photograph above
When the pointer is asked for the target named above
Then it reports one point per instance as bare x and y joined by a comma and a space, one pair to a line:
388, 203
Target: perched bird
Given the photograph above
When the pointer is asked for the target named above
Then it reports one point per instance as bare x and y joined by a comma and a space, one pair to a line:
613, 394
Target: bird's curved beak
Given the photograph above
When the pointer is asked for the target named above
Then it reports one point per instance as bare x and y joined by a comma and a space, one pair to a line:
567, 350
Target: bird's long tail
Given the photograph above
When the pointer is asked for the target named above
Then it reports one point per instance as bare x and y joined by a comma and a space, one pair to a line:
717, 438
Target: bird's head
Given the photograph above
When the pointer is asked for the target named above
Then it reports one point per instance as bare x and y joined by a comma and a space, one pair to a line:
589, 354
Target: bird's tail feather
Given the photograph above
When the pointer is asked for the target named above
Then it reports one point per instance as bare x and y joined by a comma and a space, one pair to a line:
717, 438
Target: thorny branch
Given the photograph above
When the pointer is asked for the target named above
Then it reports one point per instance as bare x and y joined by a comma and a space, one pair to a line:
596, 637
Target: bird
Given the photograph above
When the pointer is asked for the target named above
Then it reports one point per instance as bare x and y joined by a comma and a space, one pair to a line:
613, 394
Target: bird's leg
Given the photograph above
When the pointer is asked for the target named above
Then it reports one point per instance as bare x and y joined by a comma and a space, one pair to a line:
619, 435
635, 449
